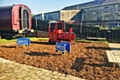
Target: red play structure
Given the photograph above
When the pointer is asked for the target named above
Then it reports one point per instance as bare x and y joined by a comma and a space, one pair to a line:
56, 33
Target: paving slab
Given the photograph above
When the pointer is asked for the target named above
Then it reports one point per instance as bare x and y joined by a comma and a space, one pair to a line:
10, 70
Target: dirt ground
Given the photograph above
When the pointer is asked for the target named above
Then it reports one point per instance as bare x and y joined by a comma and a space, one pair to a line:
86, 60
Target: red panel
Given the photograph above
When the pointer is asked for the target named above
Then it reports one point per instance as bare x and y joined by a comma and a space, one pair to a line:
15, 16
66, 36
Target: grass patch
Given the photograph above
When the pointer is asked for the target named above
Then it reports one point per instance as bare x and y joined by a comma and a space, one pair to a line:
91, 41
37, 39
6, 41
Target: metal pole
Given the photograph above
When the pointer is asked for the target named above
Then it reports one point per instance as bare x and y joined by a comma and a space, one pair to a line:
80, 30
36, 27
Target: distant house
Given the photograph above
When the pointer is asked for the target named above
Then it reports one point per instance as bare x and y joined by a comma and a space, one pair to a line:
84, 5
97, 12
65, 15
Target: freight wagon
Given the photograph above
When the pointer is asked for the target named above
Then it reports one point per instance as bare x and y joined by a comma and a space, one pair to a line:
15, 20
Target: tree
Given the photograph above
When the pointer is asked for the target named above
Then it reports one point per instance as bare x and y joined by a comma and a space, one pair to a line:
32, 15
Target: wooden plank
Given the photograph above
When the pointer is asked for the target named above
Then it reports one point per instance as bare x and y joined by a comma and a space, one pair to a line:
115, 54
97, 38
113, 57
110, 59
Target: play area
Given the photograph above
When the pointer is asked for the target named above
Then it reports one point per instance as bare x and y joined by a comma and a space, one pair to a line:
85, 60
80, 40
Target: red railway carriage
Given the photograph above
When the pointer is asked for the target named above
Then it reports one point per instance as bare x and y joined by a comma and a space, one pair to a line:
15, 20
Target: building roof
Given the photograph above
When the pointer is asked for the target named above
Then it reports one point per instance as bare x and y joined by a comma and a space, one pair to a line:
111, 2
79, 6
91, 4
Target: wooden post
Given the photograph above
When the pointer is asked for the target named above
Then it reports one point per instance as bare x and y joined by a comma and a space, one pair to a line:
114, 65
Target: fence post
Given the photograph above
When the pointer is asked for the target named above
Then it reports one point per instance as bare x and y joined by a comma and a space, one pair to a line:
36, 27
80, 29
109, 32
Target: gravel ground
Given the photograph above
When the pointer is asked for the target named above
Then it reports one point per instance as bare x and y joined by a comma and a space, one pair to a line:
86, 60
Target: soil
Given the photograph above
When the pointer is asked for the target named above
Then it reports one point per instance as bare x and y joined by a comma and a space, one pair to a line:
86, 60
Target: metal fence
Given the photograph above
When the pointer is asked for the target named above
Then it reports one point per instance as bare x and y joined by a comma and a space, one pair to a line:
39, 25
111, 35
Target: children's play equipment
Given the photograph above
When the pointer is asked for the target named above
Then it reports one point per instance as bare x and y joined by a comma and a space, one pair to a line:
56, 33
63, 46
24, 41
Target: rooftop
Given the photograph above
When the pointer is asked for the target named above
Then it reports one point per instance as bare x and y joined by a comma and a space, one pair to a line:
91, 4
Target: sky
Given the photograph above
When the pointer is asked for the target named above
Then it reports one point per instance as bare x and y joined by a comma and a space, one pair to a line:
43, 6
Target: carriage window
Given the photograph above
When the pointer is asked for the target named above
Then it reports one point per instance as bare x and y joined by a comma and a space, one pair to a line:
52, 26
59, 26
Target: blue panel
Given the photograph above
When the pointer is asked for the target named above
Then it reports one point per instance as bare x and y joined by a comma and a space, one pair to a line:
25, 41
62, 46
